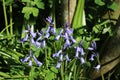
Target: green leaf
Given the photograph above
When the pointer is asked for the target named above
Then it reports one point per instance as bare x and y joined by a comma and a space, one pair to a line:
33, 3
105, 30
4, 75
99, 2
96, 29
8, 2
30, 10
27, 15
113, 6
35, 11
39, 4
25, 0
78, 17
50, 76
54, 69
27, 12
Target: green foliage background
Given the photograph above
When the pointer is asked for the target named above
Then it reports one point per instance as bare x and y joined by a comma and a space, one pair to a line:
16, 14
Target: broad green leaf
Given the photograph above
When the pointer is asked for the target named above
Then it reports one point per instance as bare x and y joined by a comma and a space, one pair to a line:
27, 15
26, 9
27, 12
33, 3
30, 10
78, 17
35, 11
113, 6
39, 4
99, 2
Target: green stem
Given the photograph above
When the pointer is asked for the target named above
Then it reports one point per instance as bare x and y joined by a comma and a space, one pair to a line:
5, 16
100, 70
46, 58
11, 26
62, 69
70, 74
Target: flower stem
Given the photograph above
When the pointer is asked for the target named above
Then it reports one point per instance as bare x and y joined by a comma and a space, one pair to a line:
5, 16
70, 74
11, 26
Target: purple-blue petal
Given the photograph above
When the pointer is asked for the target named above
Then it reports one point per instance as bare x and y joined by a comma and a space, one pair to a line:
97, 68
30, 63
67, 58
82, 60
58, 65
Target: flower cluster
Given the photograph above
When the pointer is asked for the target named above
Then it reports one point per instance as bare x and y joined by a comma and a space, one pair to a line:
29, 59
66, 34
80, 53
39, 40
61, 57
94, 54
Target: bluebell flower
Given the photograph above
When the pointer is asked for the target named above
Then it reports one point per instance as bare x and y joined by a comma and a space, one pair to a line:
36, 61
48, 29
92, 57
65, 36
82, 60
60, 34
25, 59
79, 51
67, 44
57, 54
47, 35
30, 63
40, 34
51, 30
93, 46
38, 44
32, 41
97, 68
61, 58
58, 65
43, 44
49, 19
33, 34
29, 32
67, 58
24, 39
68, 30
28, 29
72, 39
29, 59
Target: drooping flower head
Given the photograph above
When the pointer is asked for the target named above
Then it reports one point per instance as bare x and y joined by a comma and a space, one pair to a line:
93, 46
29, 59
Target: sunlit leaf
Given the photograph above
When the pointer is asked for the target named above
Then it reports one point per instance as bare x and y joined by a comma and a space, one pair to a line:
4, 75
25, 0
99, 2
35, 12
54, 69
113, 6
30, 10
105, 30
39, 4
